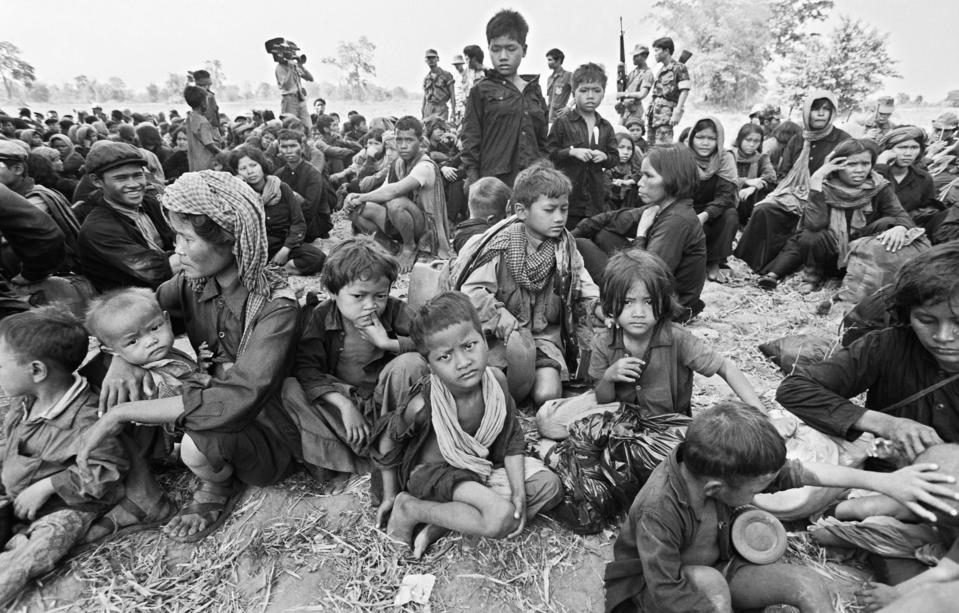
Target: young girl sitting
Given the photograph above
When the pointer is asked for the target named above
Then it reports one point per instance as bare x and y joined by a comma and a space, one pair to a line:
756, 173
623, 178
642, 357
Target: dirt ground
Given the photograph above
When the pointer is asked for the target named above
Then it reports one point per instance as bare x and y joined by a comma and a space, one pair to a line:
293, 548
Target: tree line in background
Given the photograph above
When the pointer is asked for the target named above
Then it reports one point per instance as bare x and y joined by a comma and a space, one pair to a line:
740, 47
353, 59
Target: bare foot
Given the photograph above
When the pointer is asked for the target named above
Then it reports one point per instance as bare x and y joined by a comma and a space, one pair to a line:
401, 524
426, 537
407, 258
208, 505
714, 274
338, 483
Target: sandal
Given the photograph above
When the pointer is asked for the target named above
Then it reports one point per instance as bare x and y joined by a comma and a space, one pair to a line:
215, 512
164, 511
768, 282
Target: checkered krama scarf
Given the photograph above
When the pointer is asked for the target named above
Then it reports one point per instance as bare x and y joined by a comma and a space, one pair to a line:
235, 207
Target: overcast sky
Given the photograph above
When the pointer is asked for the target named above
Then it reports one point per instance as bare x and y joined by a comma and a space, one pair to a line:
142, 41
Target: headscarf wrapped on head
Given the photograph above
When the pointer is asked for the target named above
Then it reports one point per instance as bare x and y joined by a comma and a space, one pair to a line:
233, 205
48, 153
721, 161
64, 139
900, 135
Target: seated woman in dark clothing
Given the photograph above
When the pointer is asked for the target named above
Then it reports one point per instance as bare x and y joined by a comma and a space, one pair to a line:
901, 149
177, 162
847, 200
715, 199
72, 161
893, 365
285, 224
666, 225
756, 175
774, 219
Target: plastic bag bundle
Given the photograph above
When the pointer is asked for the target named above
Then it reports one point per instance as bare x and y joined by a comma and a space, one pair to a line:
792, 352
870, 266
606, 460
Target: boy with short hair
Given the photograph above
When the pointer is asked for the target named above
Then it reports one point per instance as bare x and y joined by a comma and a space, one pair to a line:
669, 93
411, 206
637, 130
487, 203
50, 408
306, 181
582, 144
502, 138
452, 458
528, 279
201, 145
354, 361
130, 323
673, 553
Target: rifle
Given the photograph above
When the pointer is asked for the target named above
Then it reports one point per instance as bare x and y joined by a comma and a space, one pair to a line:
621, 69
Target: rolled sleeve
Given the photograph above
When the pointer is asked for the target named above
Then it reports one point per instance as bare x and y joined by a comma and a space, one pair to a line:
481, 286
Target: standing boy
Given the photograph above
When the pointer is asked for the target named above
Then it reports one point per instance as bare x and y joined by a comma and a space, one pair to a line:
669, 93
411, 206
559, 84
50, 408
453, 457
526, 278
201, 145
582, 144
505, 126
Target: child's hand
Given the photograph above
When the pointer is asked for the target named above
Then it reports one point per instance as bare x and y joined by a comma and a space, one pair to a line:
519, 512
917, 487
280, 257
355, 425
583, 155
383, 511
449, 173
29, 501
372, 331
506, 325
625, 370
599, 156
875, 596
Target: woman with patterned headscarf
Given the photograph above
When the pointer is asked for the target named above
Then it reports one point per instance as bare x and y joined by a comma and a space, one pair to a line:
900, 149
242, 313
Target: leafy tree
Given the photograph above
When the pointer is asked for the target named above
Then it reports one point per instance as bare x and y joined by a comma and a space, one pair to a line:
173, 86
788, 19
355, 60
40, 92
215, 68
13, 69
850, 63
902, 98
115, 89
153, 92
952, 98
264, 91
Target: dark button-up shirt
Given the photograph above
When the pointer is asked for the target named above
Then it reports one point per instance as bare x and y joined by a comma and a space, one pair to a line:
589, 183
241, 385
307, 181
889, 365
32, 234
661, 524
505, 129
285, 224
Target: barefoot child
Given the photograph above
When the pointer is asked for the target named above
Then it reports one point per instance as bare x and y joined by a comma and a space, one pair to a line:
642, 357
354, 360
673, 554
411, 206
453, 457
526, 277
50, 407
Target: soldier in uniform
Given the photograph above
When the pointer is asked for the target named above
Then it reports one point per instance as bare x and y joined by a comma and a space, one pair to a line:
669, 93
438, 89
639, 82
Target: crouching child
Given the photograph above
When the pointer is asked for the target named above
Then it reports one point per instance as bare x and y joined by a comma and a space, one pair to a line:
50, 408
674, 554
452, 459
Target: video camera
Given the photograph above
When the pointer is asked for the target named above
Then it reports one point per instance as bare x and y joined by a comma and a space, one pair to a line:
284, 50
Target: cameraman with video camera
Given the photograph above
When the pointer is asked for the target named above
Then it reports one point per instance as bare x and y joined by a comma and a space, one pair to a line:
290, 74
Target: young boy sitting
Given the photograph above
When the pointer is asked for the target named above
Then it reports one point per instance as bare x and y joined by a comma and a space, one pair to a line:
411, 206
673, 552
354, 361
453, 457
130, 323
50, 407
487, 203
582, 144
528, 279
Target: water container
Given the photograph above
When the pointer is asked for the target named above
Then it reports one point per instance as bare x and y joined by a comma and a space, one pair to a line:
428, 279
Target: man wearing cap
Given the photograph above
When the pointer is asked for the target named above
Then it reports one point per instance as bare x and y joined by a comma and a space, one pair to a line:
15, 175
942, 154
559, 85
125, 239
203, 80
876, 125
639, 82
462, 87
943, 137
438, 88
